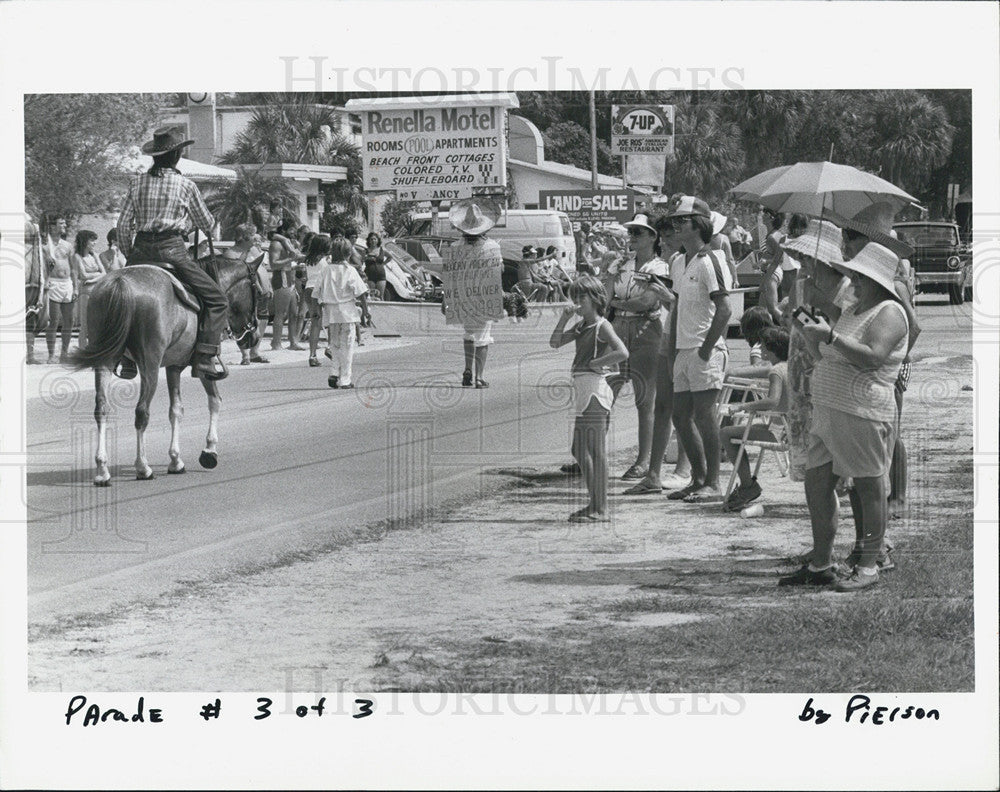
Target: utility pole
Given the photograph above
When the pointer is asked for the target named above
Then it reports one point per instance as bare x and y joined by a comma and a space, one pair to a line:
593, 143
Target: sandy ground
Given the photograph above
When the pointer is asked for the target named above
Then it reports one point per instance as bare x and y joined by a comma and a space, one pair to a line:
382, 614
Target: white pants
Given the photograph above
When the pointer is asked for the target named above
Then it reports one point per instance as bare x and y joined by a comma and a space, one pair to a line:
342, 346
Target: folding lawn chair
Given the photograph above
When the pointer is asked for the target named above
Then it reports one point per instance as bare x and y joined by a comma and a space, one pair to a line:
777, 422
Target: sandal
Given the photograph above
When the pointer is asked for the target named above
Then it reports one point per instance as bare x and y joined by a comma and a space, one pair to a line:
644, 487
587, 516
704, 495
682, 494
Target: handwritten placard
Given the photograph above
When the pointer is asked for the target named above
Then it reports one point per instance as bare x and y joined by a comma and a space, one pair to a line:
472, 282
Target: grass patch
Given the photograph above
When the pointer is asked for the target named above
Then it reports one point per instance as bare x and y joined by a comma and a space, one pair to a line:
912, 633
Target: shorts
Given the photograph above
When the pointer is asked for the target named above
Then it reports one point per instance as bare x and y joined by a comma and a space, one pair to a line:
641, 337
588, 385
693, 374
60, 291
478, 334
857, 447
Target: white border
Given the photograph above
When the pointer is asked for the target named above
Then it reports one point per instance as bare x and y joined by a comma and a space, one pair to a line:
118, 46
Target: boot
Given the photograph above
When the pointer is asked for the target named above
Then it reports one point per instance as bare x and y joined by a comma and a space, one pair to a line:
208, 366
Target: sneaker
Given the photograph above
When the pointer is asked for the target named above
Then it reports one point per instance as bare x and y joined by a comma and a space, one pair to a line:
806, 577
313, 361
635, 473
675, 482
743, 496
857, 581
883, 563
571, 468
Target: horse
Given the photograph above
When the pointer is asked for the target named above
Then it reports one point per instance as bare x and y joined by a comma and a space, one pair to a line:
143, 311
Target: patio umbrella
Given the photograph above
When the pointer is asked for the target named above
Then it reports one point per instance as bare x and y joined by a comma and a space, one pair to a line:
816, 188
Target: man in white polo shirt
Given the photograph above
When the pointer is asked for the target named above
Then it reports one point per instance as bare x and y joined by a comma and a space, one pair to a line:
701, 281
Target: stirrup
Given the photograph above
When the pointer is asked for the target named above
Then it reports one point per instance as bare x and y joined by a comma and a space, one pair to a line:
210, 367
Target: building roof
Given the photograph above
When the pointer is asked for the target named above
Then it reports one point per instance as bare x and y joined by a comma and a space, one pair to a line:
578, 174
190, 168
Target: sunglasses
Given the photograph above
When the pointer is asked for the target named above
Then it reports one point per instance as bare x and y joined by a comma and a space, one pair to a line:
633, 231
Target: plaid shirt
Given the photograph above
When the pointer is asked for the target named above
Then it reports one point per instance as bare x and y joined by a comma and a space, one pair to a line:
169, 202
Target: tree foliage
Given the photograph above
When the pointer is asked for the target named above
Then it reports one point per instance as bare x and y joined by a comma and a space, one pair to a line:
248, 199
919, 140
75, 146
396, 217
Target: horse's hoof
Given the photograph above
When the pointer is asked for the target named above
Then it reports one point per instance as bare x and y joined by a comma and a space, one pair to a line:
147, 477
102, 482
179, 470
208, 459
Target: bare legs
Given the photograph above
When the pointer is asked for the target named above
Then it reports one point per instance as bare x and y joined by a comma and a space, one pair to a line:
59, 314
590, 451
698, 431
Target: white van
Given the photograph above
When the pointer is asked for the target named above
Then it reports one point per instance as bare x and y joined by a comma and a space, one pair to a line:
517, 227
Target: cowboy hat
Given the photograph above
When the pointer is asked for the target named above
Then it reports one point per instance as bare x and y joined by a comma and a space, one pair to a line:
718, 222
822, 240
165, 139
875, 223
640, 220
474, 216
876, 262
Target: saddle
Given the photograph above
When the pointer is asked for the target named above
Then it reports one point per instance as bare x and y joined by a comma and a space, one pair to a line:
184, 296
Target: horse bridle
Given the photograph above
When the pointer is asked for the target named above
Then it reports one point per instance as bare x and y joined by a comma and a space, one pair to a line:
251, 324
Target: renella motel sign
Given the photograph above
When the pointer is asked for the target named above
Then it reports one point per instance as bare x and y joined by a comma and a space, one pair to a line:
434, 147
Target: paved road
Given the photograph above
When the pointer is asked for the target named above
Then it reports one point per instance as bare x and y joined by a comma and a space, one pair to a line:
302, 467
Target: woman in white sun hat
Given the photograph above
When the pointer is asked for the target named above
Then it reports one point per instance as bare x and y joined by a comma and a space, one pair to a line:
638, 321
854, 412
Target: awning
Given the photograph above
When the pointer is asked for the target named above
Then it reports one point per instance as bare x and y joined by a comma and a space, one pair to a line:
190, 168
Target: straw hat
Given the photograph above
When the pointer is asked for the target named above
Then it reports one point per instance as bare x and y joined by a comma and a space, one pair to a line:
875, 261
875, 223
718, 222
821, 240
640, 221
474, 216
165, 139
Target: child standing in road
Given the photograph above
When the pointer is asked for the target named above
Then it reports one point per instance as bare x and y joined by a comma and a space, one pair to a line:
338, 290
599, 350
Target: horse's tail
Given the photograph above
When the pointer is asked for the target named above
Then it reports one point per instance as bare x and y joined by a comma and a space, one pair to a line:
107, 336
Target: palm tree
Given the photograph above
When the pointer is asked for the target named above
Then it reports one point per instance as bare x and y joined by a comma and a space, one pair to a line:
708, 157
300, 132
913, 137
769, 121
240, 201
293, 131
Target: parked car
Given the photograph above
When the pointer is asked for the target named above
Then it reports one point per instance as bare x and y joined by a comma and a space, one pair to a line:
403, 281
536, 227
941, 262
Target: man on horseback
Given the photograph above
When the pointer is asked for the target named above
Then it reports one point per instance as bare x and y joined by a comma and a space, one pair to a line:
161, 207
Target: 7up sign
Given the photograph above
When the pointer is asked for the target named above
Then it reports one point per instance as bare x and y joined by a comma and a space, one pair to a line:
642, 129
